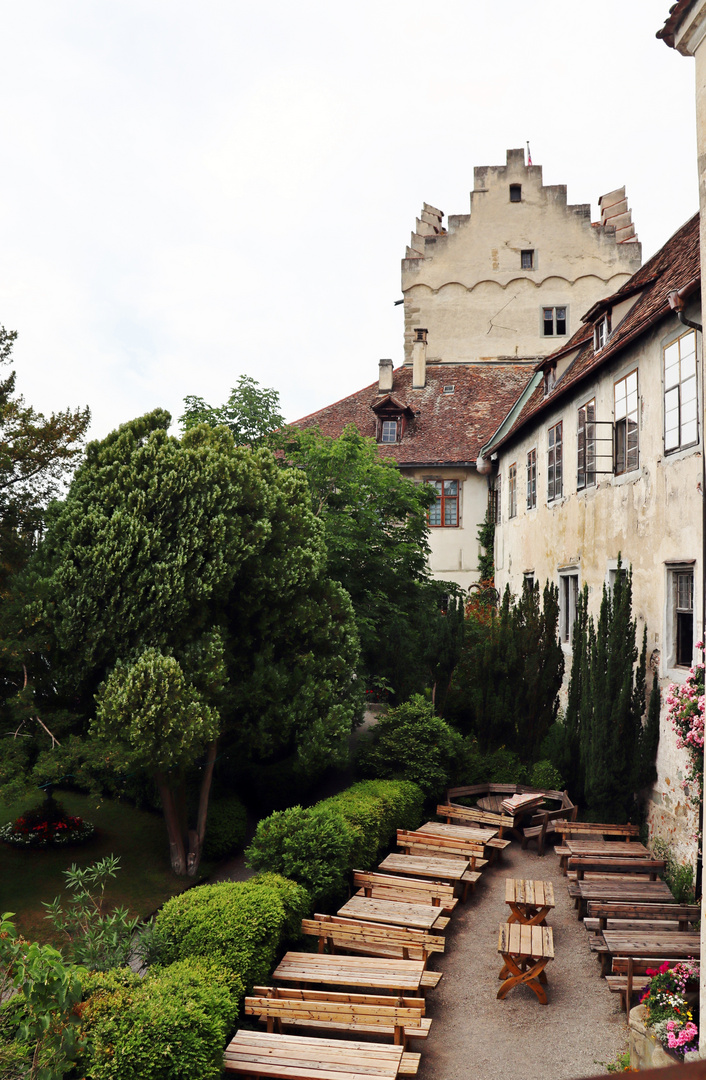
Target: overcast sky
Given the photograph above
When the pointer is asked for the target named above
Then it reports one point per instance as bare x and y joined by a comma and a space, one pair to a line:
194, 191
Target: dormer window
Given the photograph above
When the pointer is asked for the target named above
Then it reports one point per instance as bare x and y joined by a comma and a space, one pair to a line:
388, 432
515, 192
601, 332
549, 380
449, 389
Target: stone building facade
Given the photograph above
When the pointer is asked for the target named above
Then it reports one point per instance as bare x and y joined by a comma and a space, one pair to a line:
604, 458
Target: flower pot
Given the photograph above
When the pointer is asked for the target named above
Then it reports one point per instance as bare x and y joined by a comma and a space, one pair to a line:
646, 1052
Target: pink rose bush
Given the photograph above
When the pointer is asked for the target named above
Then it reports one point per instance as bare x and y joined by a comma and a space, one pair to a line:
686, 712
667, 1012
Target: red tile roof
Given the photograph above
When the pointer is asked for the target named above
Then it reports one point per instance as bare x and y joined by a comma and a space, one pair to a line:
447, 428
676, 13
675, 266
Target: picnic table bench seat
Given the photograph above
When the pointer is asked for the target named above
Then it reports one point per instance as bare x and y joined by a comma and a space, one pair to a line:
372, 939
296, 1057
400, 1018
417, 890
456, 871
595, 926
594, 828
635, 943
651, 868
646, 914
475, 816
419, 843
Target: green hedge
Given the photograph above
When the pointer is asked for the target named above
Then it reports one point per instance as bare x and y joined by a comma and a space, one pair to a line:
242, 924
171, 1025
318, 846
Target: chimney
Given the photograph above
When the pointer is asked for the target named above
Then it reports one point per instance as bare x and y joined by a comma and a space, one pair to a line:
385, 376
419, 359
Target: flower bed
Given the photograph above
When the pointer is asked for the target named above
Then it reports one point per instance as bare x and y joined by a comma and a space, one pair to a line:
686, 711
667, 1014
47, 825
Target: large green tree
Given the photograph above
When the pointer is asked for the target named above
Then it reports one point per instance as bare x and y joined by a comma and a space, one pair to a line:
187, 579
251, 413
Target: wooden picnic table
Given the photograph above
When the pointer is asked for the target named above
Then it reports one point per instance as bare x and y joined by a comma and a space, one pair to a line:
610, 849
526, 951
672, 945
530, 901
297, 1057
426, 866
380, 973
396, 912
458, 832
623, 891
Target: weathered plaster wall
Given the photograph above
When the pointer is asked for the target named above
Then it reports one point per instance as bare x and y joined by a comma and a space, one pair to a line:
467, 287
454, 551
651, 516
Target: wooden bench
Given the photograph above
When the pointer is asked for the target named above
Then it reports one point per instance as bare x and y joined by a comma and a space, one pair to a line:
547, 824
603, 913
454, 870
401, 1018
415, 890
372, 939
649, 868
591, 828
370, 972
418, 843
295, 1057
629, 976
473, 816
636, 943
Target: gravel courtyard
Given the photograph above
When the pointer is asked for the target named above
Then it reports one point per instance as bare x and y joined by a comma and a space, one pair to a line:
476, 1036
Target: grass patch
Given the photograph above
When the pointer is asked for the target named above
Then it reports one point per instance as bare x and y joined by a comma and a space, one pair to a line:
144, 881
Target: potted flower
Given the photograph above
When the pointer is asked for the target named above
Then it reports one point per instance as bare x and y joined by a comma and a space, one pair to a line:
667, 1014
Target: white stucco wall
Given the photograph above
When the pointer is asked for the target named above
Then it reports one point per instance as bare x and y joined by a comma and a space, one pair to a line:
454, 550
651, 516
469, 291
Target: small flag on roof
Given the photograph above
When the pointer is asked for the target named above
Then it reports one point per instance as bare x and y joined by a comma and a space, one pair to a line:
529, 155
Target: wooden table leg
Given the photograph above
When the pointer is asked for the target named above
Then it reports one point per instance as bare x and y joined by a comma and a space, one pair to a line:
533, 976
526, 915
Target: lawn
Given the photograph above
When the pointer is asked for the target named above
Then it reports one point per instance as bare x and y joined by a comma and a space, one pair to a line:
139, 838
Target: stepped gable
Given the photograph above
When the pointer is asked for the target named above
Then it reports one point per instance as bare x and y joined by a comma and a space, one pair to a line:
673, 267
446, 428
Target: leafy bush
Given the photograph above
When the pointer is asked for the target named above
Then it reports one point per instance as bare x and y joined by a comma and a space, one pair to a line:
171, 1025
374, 810
679, 878
312, 845
225, 830
545, 775
411, 743
318, 846
243, 924
505, 767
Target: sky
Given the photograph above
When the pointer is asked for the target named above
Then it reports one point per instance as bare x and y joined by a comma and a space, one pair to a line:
194, 192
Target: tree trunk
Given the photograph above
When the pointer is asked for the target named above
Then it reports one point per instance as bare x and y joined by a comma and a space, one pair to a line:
196, 837
177, 853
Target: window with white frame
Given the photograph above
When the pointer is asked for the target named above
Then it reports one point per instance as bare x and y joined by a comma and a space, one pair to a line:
512, 490
586, 446
443, 513
626, 423
555, 321
388, 431
680, 393
568, 602
601, 332
554, 462
531, 479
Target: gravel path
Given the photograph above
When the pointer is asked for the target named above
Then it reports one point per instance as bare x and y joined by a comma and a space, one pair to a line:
475, 1035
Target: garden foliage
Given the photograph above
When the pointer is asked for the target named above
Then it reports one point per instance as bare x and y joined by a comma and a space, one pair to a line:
241, 924
411, 742
171, 1025
320, 845
505, 689
686, 712
667, 1013
609, 751
227, 824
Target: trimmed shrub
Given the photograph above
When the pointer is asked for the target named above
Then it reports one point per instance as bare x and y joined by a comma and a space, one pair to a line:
225, 828
545, 775
504, 767
411, 743
375, 809
318, 846
242, 923
171, 1025
312, 844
